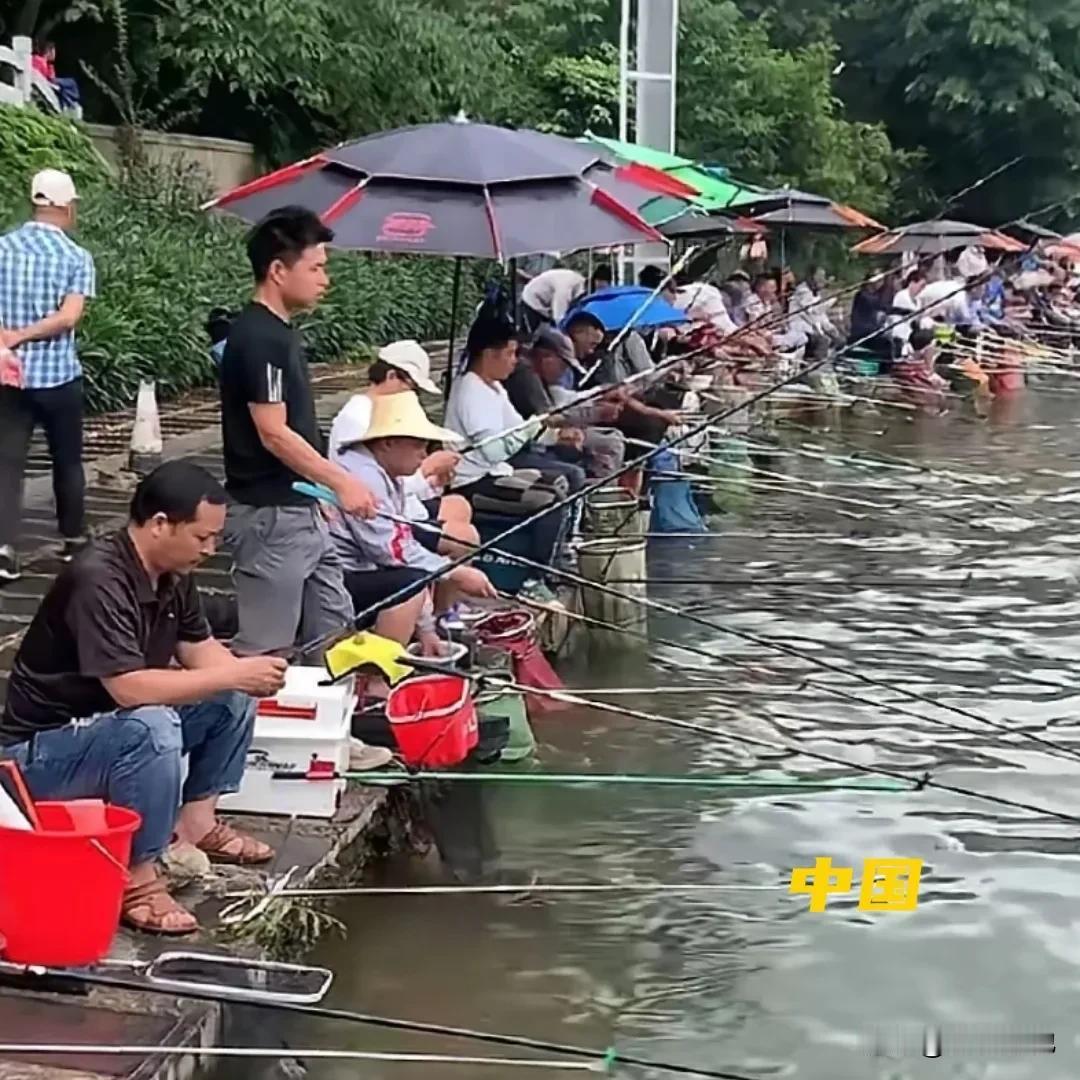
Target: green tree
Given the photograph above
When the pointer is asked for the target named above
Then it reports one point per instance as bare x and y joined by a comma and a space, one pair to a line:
975, 83
771, 115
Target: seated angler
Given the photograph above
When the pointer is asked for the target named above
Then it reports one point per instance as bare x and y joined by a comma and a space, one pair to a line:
382, 556
578, 432
480, 408
118, 677
404, 367
504, 473
645, 414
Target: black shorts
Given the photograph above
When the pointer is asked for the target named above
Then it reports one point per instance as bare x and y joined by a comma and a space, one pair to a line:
429, 537
369, 588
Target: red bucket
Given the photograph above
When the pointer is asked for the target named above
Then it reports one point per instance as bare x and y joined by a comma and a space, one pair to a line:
1006, 380
61, 886
433, 719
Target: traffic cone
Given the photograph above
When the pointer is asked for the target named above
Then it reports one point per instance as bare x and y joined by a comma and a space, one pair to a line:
145, 454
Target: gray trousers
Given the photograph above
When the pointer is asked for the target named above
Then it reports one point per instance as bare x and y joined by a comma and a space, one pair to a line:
288, 577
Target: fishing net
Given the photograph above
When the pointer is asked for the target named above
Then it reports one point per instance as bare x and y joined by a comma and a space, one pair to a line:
514, 632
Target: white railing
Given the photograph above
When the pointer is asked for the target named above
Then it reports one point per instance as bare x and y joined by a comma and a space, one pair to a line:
28, 86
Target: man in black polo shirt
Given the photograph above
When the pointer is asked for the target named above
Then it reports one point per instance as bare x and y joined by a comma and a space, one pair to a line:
289, 580
96, 707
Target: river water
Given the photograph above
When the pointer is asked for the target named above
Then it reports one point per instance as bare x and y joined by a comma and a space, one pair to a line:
968, 601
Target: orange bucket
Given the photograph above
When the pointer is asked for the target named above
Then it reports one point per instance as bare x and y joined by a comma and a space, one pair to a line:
61, 885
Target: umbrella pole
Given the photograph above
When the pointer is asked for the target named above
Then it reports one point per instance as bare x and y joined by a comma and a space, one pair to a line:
454, 300
514, 290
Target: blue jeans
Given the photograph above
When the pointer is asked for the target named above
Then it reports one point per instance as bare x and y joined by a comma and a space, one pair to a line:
131, 758
67, 90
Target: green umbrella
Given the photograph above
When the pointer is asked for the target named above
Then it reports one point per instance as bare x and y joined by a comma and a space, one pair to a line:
715, 193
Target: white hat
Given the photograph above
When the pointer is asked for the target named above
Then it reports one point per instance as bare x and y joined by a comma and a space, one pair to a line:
411, 358
51, 187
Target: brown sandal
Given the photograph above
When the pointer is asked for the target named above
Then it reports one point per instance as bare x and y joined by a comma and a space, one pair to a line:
146, 907
217, 842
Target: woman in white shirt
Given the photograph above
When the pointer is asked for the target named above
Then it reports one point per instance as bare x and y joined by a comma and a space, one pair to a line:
403, 366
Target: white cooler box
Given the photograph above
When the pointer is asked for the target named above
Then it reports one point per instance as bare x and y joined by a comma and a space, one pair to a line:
305, 723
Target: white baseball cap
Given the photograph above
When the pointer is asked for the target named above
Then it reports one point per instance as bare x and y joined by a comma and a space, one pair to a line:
51, 187
411, 358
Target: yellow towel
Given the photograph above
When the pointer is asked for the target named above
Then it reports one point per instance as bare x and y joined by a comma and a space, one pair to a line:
367, 649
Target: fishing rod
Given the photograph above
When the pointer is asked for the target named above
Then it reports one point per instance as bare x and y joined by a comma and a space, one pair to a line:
785, 480
725, 783
479, 890
782, 646
675, 269
58, 978
812, 395
266, 1053
881, 459
526, 522
913, 488
765, 642
777, 645
926, 781
797, 583
719, 481
743, 665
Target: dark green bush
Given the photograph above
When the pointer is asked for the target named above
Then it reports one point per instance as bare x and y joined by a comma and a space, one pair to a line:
162, 264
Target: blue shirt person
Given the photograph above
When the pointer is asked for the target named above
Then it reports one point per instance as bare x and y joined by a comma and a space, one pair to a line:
45, 281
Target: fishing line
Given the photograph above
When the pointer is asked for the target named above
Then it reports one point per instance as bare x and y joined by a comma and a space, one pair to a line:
322, 1012
584, 492
829, 665
536, 887
262, 1053
733, 783
782, 647
877, 770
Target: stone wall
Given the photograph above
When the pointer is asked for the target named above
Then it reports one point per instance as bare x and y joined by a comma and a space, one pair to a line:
225, 161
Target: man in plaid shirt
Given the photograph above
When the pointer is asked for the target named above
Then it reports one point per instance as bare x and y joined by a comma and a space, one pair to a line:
45, 280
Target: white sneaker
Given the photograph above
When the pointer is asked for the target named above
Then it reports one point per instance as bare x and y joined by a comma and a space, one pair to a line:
364, 758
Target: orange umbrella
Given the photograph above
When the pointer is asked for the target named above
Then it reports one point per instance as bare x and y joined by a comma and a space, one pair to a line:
936, 238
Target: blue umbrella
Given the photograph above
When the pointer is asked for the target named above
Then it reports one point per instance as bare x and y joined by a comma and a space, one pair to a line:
616, 306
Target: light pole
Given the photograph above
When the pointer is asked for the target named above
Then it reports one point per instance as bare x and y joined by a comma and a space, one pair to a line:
652, 72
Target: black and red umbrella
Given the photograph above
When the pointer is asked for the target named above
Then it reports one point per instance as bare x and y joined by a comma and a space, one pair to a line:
458, 189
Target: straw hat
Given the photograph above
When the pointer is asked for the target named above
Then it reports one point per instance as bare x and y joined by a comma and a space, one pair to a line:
398, 416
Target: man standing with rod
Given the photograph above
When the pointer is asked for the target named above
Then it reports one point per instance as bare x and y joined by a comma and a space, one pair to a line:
45, 281
288, 577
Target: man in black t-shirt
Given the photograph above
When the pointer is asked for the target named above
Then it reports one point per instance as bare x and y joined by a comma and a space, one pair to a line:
288, 577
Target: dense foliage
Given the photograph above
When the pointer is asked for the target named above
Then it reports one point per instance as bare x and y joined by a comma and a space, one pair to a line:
292, 75
896, 108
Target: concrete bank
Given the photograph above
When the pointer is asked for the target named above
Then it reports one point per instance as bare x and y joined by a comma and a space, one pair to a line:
369, 824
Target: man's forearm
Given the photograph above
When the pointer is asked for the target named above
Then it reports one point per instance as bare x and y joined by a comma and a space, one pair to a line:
299, 455
51, 326
169, 686
203, 655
